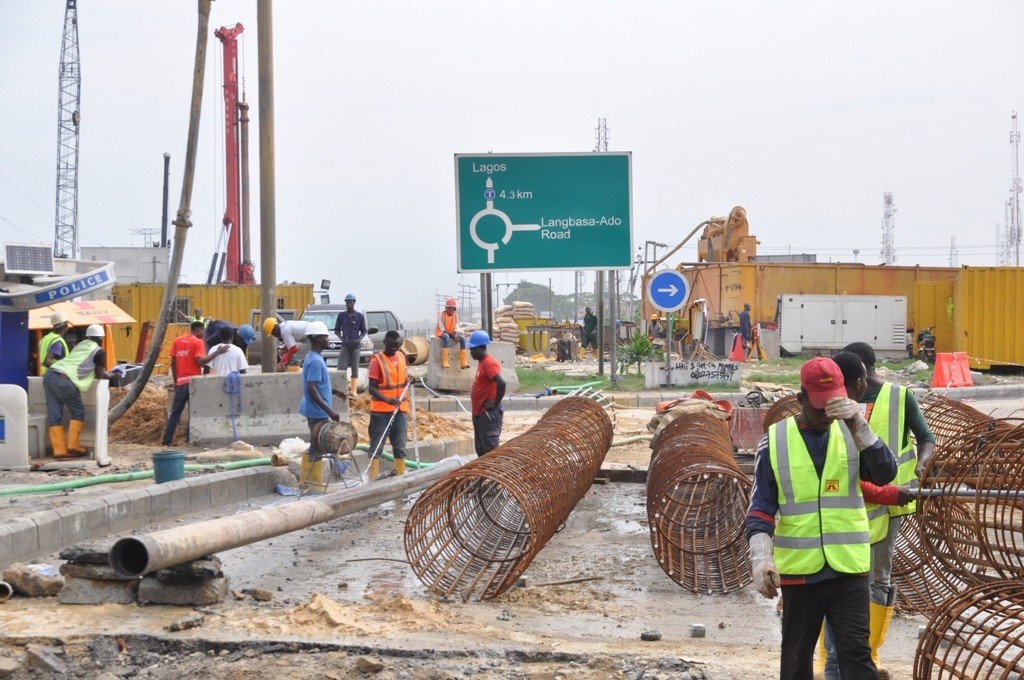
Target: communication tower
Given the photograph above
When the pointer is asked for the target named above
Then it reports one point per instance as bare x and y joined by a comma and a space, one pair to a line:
954, 253
888, 244
1013, 227
65, 242
601, 134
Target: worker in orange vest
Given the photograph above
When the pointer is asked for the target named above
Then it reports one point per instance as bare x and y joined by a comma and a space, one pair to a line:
389, 405
447, 328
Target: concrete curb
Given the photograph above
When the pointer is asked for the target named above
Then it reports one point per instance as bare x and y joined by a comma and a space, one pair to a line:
48, 531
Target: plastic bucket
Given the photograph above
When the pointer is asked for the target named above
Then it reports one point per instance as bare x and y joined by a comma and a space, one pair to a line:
168, 466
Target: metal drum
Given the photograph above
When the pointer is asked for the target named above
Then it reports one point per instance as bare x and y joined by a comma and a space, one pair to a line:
337, 438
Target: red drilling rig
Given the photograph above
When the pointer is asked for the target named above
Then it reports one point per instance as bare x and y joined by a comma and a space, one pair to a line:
233, 264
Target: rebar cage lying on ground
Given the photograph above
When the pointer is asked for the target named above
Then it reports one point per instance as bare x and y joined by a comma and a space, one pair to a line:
977, 634
478, 529
697, 500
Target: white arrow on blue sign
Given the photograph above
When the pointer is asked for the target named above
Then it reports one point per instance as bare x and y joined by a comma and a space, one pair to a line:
668, 290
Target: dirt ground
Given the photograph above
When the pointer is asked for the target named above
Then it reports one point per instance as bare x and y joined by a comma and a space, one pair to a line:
345, 604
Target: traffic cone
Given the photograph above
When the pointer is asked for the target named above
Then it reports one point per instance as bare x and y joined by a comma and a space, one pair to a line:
737, 353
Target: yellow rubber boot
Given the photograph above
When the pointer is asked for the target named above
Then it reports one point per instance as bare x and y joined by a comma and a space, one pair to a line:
400, 466
374, 469
75, 448
463, 358
878, 628
444, 358
581, 354
311, 475
819, 658
60, 447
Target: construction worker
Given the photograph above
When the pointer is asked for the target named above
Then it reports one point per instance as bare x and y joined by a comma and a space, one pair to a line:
389, 403
316, 403
893, 414
654, 329
589, 339
806, 474
351, 328
198, 316
65, 382
486, 394
188, 357
745, 325
292, 334
232, 358
447, 328
53, 346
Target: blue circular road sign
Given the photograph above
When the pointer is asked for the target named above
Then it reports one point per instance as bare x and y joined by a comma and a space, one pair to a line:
668, 290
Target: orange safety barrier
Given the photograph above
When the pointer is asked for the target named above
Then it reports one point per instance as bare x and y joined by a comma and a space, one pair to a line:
952, 370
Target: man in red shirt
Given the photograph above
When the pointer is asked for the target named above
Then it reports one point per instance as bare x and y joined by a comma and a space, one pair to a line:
486, 394
188, 356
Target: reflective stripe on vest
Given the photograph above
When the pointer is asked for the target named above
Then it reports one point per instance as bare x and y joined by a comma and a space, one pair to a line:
889, 421
44, 349
80, 365
820, 518
394, 378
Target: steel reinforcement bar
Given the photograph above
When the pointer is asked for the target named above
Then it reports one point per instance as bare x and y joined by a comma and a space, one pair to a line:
697, 500
476, 531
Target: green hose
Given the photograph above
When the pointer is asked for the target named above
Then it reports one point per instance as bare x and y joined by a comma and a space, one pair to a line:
387, 455
126, 477
570, 388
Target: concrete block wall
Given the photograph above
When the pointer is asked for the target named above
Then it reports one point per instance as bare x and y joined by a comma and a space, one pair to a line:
456, 379
269, 408
97, 406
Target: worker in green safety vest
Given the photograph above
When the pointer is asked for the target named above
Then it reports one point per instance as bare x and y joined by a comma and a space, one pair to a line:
53, 347
807, 473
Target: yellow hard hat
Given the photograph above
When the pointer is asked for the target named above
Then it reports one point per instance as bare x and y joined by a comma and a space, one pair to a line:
654, 317
269, 325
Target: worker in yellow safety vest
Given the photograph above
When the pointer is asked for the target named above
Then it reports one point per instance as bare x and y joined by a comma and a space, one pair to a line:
53, 347
447, 328
65, 383
807, 473
389, 403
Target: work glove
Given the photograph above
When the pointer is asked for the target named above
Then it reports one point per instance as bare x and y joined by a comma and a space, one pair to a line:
762, 565
849, 411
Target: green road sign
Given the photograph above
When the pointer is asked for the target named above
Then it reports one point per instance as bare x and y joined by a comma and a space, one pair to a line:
543, 211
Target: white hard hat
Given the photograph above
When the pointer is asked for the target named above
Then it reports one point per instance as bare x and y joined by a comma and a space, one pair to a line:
316, 328
95, 331
58, 317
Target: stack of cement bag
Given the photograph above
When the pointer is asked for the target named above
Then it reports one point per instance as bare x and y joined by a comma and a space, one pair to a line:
505, 328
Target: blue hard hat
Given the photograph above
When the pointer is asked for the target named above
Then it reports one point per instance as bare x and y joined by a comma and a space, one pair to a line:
247, 333
478, 339
350, 296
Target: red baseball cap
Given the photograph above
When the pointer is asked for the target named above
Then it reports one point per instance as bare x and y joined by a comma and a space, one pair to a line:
821, 379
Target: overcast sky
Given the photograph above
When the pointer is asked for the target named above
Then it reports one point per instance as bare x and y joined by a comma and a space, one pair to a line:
802, 112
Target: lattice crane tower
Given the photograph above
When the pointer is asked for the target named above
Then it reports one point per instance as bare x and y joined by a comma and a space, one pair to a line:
601, 135
65, 242
888, 244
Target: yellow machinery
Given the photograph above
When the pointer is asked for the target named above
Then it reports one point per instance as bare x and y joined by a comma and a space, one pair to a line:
727, 239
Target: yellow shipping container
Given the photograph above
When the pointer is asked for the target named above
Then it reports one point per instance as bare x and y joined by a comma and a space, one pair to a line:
988, 305
230, 303
727, 286
933, 308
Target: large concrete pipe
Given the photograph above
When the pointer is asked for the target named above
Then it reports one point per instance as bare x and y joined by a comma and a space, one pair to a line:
416, 350
5, 591
146, 553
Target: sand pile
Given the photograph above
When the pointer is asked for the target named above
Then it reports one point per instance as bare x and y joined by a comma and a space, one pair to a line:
144, 422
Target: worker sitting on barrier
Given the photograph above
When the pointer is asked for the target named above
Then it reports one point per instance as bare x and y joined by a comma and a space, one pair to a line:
447, 328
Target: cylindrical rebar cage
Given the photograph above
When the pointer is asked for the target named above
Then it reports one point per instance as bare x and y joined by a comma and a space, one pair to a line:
697, 500
977, 634
478, 529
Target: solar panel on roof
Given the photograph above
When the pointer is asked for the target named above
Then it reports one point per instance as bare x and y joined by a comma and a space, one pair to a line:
24, 258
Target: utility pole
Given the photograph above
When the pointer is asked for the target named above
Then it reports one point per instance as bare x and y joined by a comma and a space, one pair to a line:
466, 293
65, 241
268, 180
